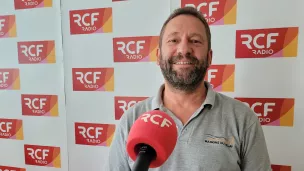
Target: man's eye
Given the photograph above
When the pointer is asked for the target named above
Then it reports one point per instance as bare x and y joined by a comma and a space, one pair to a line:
196, 41
173, 40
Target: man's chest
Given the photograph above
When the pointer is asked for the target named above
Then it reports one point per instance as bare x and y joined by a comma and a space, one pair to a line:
207, 142
203, 151
208, 151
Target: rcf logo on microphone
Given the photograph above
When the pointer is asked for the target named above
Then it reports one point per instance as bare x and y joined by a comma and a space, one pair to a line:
135, 49
11, 129
8, 26
42, 155
26, 4
122, 104
9, 79
216, 12
94, 134
156, 129
221, 77
91, 21
39, 105
263, 43
156, 119
9, 168
93, 79
32, 52
272, 111
280, 168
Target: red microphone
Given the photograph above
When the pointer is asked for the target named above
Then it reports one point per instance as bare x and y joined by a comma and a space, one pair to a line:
151, 140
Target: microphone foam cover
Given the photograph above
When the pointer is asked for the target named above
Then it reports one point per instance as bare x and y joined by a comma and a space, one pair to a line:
154, 128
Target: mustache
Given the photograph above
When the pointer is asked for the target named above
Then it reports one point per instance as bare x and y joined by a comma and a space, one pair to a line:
189, 58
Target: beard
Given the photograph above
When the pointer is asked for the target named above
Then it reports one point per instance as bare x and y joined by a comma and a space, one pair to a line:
184, 79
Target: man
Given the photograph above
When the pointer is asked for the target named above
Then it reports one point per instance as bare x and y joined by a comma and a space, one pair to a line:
216, 132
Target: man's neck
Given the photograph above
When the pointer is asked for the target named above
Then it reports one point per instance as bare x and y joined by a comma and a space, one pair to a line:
173, 97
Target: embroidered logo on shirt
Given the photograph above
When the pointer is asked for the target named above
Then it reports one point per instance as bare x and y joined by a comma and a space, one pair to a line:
228, 142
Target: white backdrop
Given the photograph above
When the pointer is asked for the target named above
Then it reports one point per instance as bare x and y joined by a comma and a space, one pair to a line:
39, 102
95, 78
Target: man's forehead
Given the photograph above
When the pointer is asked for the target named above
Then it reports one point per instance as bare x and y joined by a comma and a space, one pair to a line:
190, 34
179, 25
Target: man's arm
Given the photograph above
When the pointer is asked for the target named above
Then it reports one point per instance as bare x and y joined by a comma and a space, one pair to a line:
254, 154
118, 157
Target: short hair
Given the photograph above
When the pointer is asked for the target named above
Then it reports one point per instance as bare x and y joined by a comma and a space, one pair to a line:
187, 11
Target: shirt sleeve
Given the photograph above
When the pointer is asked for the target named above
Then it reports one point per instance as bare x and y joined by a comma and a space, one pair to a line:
118, 157
254, 152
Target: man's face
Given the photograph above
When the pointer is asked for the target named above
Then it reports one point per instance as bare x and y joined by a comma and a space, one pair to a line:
183, 56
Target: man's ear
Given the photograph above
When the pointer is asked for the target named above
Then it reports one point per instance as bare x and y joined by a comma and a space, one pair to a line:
158, 51
210, 55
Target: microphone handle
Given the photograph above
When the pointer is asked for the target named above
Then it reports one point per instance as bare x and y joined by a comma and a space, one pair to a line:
144, 157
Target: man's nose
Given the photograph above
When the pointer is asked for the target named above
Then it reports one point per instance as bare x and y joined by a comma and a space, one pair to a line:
184, 47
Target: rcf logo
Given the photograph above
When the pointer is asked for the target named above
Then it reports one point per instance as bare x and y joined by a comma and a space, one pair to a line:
124, 103
8, 26
216, 12
271, 111
36, 52
9, 79
94, 134
42, 155
9, 168
39, 105
135, 49
262, 43
26, 4
221, 77
156, 119
11, 129
280, 168
89, 21
93, 79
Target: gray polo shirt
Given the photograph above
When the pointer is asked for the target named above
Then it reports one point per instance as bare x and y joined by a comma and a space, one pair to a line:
222, 135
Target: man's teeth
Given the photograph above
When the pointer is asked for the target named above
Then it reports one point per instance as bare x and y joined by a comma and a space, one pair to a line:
183, 63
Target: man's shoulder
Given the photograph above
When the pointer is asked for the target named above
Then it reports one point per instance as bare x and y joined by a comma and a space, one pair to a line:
236, 107
228, 100
235, 112
133, 112
140, 107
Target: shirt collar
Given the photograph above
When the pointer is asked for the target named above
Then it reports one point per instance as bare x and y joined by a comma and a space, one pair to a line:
210, 98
